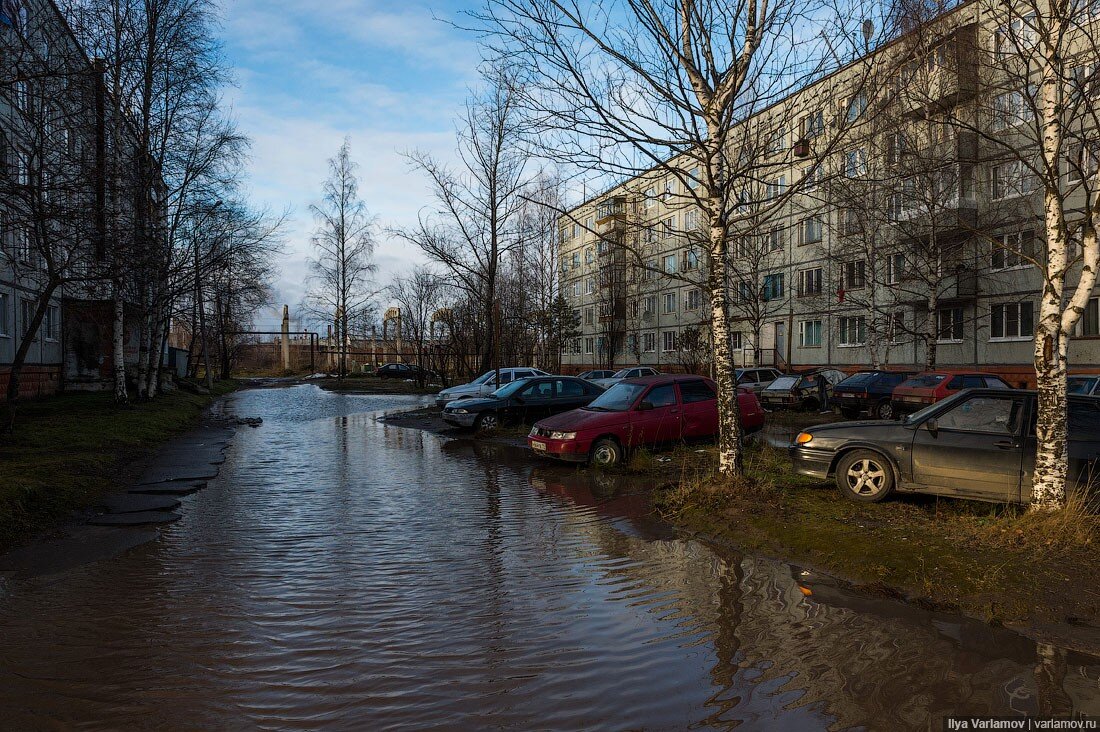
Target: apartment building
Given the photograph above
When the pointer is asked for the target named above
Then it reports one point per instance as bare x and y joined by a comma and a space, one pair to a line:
914, 232
58, 129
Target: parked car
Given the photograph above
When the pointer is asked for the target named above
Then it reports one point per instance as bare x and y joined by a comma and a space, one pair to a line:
485, 384
634, 372
596, 374
401, 371
641, 412
523, 400
800, 391
756, 379
979, 443
929, 387
1083, 384
868, 391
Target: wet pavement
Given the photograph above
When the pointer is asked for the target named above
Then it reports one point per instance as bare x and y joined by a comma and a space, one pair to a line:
341, 573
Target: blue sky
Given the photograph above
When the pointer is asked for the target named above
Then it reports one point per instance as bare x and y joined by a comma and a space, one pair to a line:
389, 75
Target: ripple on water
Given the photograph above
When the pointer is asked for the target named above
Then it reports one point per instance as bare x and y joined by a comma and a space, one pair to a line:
342, 573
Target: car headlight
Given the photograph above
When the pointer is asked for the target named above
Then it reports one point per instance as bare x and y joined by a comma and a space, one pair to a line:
459, 411
803, 438
563, 435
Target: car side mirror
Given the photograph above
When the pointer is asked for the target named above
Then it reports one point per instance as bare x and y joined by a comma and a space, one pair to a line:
645, 406
932, 426
519, 399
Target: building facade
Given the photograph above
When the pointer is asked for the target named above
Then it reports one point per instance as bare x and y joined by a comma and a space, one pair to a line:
881, 218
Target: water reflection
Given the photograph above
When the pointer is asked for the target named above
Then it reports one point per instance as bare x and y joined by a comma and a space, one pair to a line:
343, 573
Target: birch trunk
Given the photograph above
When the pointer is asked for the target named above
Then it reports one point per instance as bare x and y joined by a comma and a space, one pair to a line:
118, 352
730, 458
143, 355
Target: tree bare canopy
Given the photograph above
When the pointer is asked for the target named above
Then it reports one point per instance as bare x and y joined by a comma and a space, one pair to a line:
663, 88
342, 287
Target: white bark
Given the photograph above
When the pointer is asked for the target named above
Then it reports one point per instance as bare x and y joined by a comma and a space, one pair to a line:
118, 353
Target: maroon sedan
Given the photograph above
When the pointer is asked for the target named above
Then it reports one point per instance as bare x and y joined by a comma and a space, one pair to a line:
652, 410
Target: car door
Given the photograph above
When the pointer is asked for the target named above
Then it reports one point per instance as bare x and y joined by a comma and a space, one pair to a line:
536, 400
661, 421
569, 394
973, 449
700, 410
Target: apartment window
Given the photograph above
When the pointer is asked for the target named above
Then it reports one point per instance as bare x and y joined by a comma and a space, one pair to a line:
668, 340
855, 163
813, 124
650, 270
23, 251
589, 345
575, 346
773, 240
589, 316
668, 264
1089, 324
649, 199
1016, 36
810, 231
651, 305
576, 229
5, 315
634, 307
632, 343
694, 300
895, 268
778, 141
777, 187
1012, 250
809, 333
1011, 320
811, 281
745, 291
857, 105
895, 147
853, 331
576, 260
649, 342
853, 275
1009, 110
668, 227
773, 286
590, 224
737, 340
811, 178
691, 221
53, 323
691, 260
589, 256
949, 324
601, 344
590, 286
26, 315
693, 178
576, 289
670, 302
895, 326
1082, 162
849, 221
1012, 179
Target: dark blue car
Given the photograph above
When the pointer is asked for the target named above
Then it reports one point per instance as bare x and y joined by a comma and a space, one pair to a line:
868, 391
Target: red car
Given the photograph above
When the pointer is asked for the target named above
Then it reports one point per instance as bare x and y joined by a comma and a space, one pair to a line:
652, 410
930, 387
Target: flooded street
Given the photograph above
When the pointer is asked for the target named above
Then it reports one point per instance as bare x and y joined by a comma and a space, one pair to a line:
345, 574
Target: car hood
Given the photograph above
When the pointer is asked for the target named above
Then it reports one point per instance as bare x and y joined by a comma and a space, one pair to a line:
576, 420
864, 429
463, 390
478, 404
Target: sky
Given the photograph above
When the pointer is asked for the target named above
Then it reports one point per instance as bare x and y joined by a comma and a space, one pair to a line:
389, 75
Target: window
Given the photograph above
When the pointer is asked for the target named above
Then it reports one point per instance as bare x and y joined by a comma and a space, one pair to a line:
693, 178
662, 396
895, 147
984, 414
651, 305
670, 302
1012, 250
668, 340
691, 260
601, 344
1088, 325
776, 188
589, 286
1009, 320
634, 308
1015, 36
649, 342
774, 242
895, 268
1009, 110
590, 224
773, 286
853, 331
812, 177
809, 333
778, 141
691, 221
23, 251
857, 105
589, 346
695, 391
810, 281
855, 163
668, 263
694, 300
589, 316
576, 260
632, 343
813, 124
810, 231
668, 227
53, 323
26, 315
1012, 179
589, 256
576, 229
895, 326
1082, 161
576, 345
853, 275
737, 341
849, 221
576, 289
949, 324
745, 291
649, 199
5, 315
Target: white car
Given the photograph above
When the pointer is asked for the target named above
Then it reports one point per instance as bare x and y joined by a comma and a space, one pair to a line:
631, 373
485, 384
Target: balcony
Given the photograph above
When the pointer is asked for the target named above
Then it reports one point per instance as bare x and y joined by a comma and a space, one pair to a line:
943, 76
611, 215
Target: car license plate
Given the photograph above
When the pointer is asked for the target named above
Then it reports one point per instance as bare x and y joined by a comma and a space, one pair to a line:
538, 445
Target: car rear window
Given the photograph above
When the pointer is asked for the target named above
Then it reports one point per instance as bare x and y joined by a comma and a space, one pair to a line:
783, 382
695, 391
994, 382
924, 382
1079, 385
859, 379
966, 382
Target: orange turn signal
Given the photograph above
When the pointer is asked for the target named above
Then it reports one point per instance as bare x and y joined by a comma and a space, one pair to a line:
803, 438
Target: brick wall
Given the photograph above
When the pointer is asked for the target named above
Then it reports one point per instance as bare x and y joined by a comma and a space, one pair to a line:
34, 381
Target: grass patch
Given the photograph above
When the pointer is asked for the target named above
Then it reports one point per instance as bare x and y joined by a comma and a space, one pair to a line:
67, 450
993, 561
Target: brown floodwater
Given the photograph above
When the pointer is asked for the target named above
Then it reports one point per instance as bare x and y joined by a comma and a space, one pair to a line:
341, 573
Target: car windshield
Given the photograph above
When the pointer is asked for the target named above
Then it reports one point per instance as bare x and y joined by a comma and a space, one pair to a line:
509, 389
923, 382
783, 382
1080, 385
484, 378
618, 398
920, 416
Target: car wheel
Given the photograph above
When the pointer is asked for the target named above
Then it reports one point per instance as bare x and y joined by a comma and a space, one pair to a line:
849, 413
865, 476
884, 410
606, 453
810, 405
486, 422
